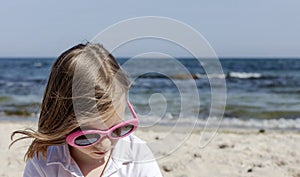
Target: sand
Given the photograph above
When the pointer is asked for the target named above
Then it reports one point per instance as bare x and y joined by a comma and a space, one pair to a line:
229, 152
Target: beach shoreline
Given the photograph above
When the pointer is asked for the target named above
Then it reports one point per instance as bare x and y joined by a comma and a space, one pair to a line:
193, 152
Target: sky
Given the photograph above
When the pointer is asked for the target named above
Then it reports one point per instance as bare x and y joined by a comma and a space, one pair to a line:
234, 28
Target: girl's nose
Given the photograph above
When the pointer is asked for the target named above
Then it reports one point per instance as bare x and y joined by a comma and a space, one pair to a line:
104, 144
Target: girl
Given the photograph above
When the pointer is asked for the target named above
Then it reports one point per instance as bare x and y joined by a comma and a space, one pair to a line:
81, 130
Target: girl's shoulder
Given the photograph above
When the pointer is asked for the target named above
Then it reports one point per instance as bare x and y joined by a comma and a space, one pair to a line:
57, 161
132, 148
55, 154
134, 139
133, 157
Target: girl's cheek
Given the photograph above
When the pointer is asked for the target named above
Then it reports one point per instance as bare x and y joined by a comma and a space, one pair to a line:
105, 144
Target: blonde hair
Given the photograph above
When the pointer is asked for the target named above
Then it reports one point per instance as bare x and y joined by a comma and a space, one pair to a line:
84, 82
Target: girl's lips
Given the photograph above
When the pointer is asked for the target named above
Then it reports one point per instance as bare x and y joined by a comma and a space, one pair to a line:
101, 153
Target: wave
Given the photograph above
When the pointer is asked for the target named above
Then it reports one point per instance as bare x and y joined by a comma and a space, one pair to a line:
175, 76
255, 111
182, 76
237, 75
215, 123
285, 124
23, 113
19, 105
244, 75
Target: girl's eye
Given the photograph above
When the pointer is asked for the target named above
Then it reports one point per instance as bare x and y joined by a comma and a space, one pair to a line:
85, 140
122, 131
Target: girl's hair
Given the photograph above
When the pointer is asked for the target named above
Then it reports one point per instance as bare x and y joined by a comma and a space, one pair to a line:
86, 83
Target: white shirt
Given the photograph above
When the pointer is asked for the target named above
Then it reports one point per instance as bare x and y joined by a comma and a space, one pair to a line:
131, 157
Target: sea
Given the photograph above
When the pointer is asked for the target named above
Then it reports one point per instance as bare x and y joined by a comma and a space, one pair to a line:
259, 92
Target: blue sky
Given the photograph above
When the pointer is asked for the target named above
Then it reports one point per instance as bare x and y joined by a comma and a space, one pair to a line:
234, 28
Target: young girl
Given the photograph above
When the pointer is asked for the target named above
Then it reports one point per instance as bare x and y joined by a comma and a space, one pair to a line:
82, 130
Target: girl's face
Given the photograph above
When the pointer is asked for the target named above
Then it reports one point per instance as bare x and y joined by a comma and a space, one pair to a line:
103, 147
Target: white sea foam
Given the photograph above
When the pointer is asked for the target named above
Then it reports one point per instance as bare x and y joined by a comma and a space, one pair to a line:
265, 123
244, 75
38, 64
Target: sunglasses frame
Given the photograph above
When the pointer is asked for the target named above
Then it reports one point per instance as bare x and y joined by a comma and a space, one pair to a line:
70, 139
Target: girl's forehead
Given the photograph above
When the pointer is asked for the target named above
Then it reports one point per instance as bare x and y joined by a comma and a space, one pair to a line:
103, 124
113, 116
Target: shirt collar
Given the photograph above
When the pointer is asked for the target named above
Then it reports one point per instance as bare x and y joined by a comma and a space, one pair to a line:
120, 157
61, 155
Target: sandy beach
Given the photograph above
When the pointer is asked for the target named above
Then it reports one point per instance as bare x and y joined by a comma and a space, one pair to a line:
229, 152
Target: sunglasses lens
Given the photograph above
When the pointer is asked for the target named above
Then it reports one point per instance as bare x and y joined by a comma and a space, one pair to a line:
122, 131
85, 140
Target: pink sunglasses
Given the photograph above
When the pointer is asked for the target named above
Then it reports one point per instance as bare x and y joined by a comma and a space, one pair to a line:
86, 138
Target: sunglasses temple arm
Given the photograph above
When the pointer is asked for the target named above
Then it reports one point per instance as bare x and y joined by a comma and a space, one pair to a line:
131, 110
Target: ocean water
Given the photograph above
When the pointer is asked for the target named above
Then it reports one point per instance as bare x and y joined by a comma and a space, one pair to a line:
260, 92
